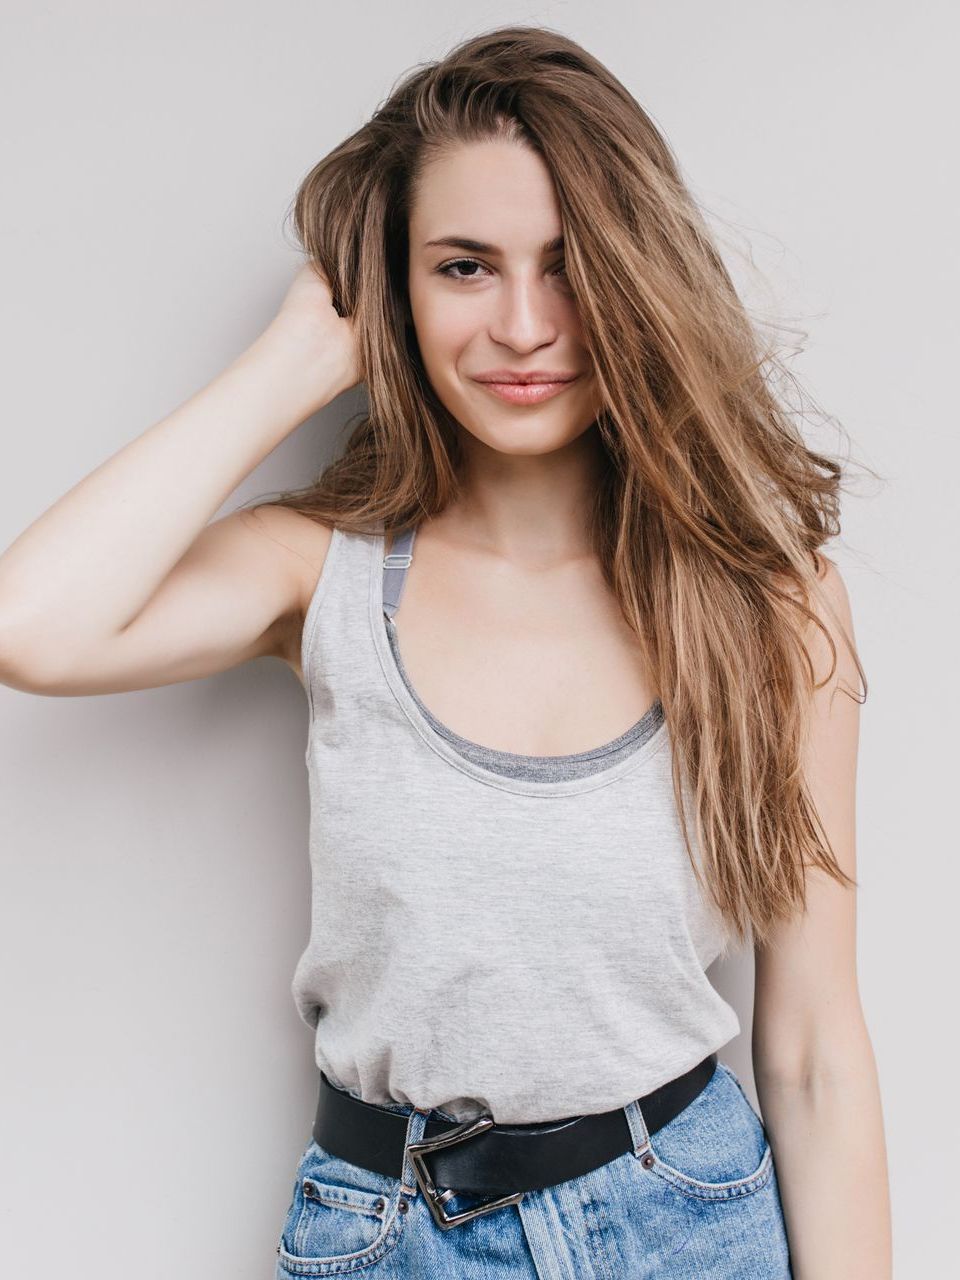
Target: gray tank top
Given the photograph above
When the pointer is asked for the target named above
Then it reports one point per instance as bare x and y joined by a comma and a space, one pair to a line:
490, 932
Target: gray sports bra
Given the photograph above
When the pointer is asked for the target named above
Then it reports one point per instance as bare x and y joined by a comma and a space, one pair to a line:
530, 768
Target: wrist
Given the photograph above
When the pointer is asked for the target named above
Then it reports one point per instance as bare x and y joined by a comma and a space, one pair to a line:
307, 378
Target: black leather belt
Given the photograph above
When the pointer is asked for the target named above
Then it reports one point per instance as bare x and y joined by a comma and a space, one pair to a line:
480, 1157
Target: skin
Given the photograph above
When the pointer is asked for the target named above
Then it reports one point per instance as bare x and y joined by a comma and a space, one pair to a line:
507, 629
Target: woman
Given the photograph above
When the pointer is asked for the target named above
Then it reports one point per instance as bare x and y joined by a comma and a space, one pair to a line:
617, 532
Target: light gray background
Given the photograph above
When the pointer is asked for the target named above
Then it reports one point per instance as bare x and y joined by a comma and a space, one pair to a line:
157, 1084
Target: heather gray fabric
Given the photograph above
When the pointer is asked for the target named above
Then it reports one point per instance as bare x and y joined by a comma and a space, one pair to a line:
485, 940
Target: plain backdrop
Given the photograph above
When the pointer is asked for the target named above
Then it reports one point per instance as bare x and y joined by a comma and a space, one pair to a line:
158, 1087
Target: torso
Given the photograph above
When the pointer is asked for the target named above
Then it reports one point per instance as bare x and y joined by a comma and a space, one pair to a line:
531, 661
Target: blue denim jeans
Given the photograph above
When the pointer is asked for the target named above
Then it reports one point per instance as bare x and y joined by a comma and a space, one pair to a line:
696, 1201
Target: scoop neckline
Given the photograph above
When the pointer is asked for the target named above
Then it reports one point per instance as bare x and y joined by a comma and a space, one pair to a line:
438, 744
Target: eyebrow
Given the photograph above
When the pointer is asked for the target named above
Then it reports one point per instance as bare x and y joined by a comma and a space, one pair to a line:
481, 246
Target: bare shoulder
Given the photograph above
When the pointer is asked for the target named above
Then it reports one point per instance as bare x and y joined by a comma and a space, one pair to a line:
302, 542
831, 639
828, 632
295, 534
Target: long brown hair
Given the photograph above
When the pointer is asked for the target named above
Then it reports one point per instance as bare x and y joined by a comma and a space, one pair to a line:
711, 510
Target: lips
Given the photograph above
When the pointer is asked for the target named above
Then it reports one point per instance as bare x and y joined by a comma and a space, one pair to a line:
526, 392
503, 377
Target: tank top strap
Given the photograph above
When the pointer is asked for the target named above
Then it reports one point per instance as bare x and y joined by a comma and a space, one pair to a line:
395, 566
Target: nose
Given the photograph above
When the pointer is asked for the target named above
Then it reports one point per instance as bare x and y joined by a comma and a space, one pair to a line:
524, 314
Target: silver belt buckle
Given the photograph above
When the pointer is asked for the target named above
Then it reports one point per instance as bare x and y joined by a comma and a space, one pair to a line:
436, 1198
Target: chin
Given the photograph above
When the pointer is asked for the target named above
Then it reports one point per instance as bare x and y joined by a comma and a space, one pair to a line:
526, 438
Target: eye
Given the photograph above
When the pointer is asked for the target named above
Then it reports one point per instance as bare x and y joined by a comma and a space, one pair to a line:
447, 269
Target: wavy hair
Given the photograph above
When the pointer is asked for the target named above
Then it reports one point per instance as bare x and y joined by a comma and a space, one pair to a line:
711, 508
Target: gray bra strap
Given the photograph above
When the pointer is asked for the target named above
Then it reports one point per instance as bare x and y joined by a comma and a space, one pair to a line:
395, 566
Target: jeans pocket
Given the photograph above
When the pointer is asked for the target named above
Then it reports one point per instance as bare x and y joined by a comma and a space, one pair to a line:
717, 1147
341, 1216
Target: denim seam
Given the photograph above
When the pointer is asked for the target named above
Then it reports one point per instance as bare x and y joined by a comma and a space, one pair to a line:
716, 1190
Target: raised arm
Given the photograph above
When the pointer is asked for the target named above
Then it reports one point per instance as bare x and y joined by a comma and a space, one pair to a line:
123, 583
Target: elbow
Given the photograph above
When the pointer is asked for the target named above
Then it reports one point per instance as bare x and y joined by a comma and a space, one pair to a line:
26, 665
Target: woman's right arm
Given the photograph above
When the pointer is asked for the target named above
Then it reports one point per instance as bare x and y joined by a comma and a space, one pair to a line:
123, 583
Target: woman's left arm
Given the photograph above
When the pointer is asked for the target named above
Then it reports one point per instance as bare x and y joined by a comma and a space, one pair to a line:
813, 1062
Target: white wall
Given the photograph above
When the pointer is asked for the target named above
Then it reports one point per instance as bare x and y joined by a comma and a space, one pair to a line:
157, 1084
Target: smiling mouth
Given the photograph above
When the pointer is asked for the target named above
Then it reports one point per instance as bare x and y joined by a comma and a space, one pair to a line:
522, 380
526, 392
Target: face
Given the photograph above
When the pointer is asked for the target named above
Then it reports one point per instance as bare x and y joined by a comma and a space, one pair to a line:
499, 306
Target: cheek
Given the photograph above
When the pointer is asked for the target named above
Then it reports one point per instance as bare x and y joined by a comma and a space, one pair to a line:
571, 322
443, 331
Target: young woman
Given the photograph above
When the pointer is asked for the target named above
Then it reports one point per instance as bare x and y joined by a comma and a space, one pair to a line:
583, 699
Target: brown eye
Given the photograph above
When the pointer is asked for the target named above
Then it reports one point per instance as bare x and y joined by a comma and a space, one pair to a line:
447, 268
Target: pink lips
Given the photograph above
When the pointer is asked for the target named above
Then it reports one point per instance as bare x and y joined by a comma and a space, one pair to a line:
526, 392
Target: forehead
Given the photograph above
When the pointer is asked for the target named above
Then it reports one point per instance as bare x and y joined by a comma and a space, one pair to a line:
497, 192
